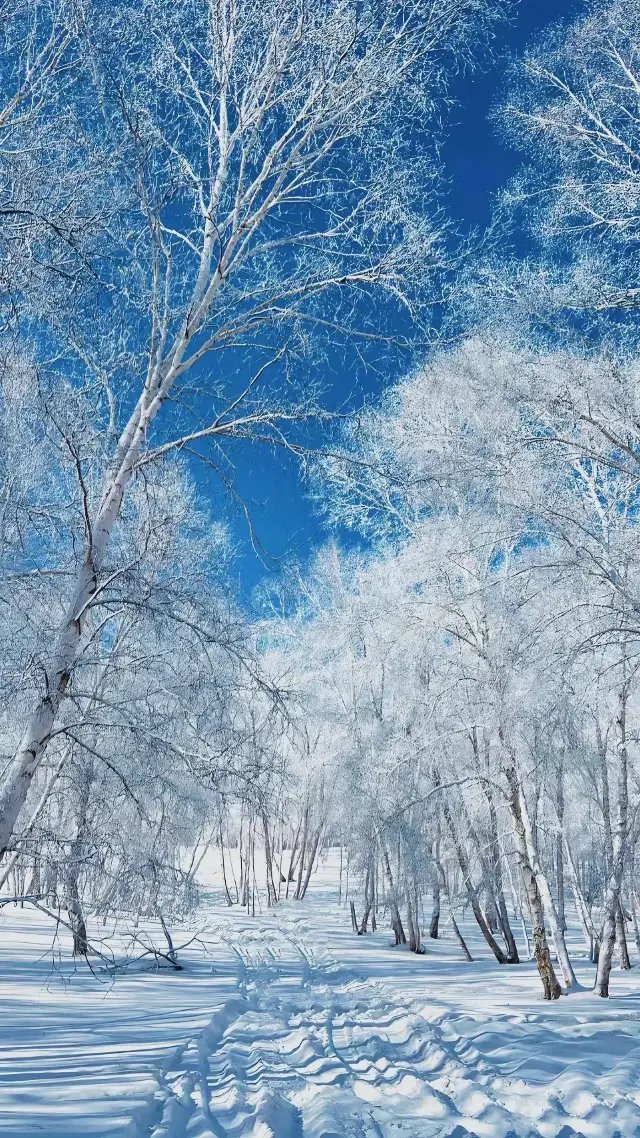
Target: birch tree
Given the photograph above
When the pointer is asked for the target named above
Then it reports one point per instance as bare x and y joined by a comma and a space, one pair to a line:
270, 193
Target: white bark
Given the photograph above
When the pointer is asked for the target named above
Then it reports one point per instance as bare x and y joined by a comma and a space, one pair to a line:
42, 802
619, 840
547, 900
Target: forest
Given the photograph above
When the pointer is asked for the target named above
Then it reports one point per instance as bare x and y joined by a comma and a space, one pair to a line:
227, 249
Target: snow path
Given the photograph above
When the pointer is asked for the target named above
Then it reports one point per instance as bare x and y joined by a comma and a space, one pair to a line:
287, 1025
310, 1050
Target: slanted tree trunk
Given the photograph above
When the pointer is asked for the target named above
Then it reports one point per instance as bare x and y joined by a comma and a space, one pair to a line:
518, 908
548, 902
396, 920
505, 926
69, 639
542, 886
369, 895
459, 937
465, 869
292, 859
586, 923
472, 892
42, 802
354, 919
495, 876
312, 857
550, 986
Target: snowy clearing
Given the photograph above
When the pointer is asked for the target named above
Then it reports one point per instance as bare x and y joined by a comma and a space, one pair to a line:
287, 1024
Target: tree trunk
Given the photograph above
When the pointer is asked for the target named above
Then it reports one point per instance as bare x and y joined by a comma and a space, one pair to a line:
495, 913
74, 861
396, 920
268, 857
461, 941
76, 920
247, 866
621, 939
550, 986
607, 943
413, 939
224, 868
312, 858
292, 861
495, 853
303, 851
435, 912
588, 930
542, 889
548, 902
634, 912
58, 671
354, 919
472, 892
619, 838
490, 911
559, 851
416, 920
42, 802
369, 894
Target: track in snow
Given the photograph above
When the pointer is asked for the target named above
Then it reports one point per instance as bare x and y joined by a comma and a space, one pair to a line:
307, 1050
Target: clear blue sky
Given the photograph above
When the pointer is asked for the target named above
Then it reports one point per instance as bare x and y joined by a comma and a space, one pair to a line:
477, 163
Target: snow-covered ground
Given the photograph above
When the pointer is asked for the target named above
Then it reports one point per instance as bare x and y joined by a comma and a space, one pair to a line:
286, 1025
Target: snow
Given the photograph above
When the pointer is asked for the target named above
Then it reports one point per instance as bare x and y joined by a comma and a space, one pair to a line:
287, 1025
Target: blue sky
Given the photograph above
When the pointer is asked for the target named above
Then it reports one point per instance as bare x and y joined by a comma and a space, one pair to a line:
477, 163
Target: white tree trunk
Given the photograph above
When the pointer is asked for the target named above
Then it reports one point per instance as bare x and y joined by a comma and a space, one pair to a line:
68, 643
515, 802
551, 914
619, 840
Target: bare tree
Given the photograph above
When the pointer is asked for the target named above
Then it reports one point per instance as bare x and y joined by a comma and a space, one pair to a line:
575, 107
270, 194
